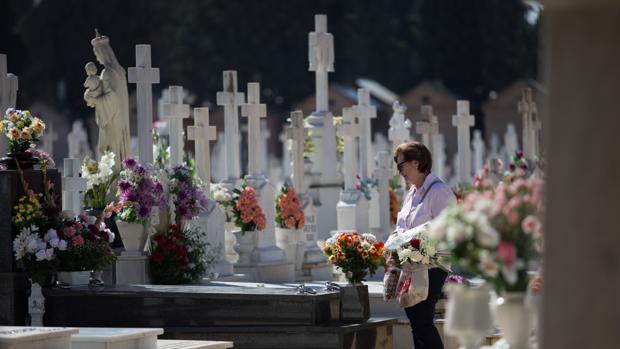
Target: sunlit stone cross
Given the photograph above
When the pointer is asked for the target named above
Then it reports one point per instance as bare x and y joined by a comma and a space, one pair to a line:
72, 185
254, 111
463, 121
350, 130
365, 113
231, 99
174, 112
297, 133
201, 133
143, 75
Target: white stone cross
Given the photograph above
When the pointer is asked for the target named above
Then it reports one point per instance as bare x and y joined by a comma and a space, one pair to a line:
174, 113
364, 113
439, 165
231, 99
286, 155
350, 130
48, 138
463, 121
201, 133
297, 133
479, 148
254, 111
321, 59
72, 185
527, 107
428, 127
511, 141
399, 126
9, 84
384, 173
143, 75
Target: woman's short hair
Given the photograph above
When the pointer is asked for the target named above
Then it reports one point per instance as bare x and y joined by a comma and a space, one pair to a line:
415, 151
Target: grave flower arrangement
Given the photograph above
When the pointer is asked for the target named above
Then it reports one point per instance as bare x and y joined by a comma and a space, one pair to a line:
356, 255
138, 192
247, 213
224, 197
186, 194
22, 129
100, 177
179, 256
495, 234
288, 210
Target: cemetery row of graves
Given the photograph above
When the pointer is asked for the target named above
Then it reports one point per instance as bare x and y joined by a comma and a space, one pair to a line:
101, 233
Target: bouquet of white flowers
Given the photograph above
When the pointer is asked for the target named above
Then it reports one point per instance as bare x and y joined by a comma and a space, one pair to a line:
99, 179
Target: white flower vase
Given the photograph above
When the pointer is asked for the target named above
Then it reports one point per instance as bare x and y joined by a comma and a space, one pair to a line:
286, 239
468, 314
134, 237
246, 243
74, 278
229, 242
513, 318
36, 305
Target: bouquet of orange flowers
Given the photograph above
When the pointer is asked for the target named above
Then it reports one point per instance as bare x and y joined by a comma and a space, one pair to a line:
355, 254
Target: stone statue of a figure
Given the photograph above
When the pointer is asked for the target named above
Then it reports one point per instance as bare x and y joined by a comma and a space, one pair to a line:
110, 99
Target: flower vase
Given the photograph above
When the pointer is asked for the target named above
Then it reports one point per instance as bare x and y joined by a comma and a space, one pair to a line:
246, 243
468, 314
354, 303
286, 239
74, 278
25, 159
513, 318
36, 305
134, 237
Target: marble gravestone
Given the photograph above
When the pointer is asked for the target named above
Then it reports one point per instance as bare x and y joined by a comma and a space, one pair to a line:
353, 207
212, 219
13, 280
9, 84
324, 193
268, 263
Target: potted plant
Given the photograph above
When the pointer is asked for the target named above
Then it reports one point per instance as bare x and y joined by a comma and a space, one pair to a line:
249, 218
290, 221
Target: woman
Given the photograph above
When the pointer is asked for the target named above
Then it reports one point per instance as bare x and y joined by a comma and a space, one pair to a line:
426, 198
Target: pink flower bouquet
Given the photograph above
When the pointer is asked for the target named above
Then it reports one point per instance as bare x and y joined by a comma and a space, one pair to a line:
288, 210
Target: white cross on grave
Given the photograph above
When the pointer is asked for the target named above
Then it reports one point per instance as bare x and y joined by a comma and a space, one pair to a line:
463, 121
201, 133
174, 113
231, 99
428, 127
349, 130
297, 133
48, 138
8, 87
321, 59
364, 113
479, 149
72, 185
254, 111
384, 173
143, 75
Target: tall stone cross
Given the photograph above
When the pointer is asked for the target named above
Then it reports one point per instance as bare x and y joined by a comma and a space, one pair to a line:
429, 128
364, 113
174, 113
297, 133
321, 59
384, 173
511, 141
254, 111
527, 109
143, 75
72, 185
231, 99
201, 133
350, 130
479, 149
9, 84
463, 121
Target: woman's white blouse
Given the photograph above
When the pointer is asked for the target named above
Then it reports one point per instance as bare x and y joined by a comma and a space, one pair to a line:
414, 212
